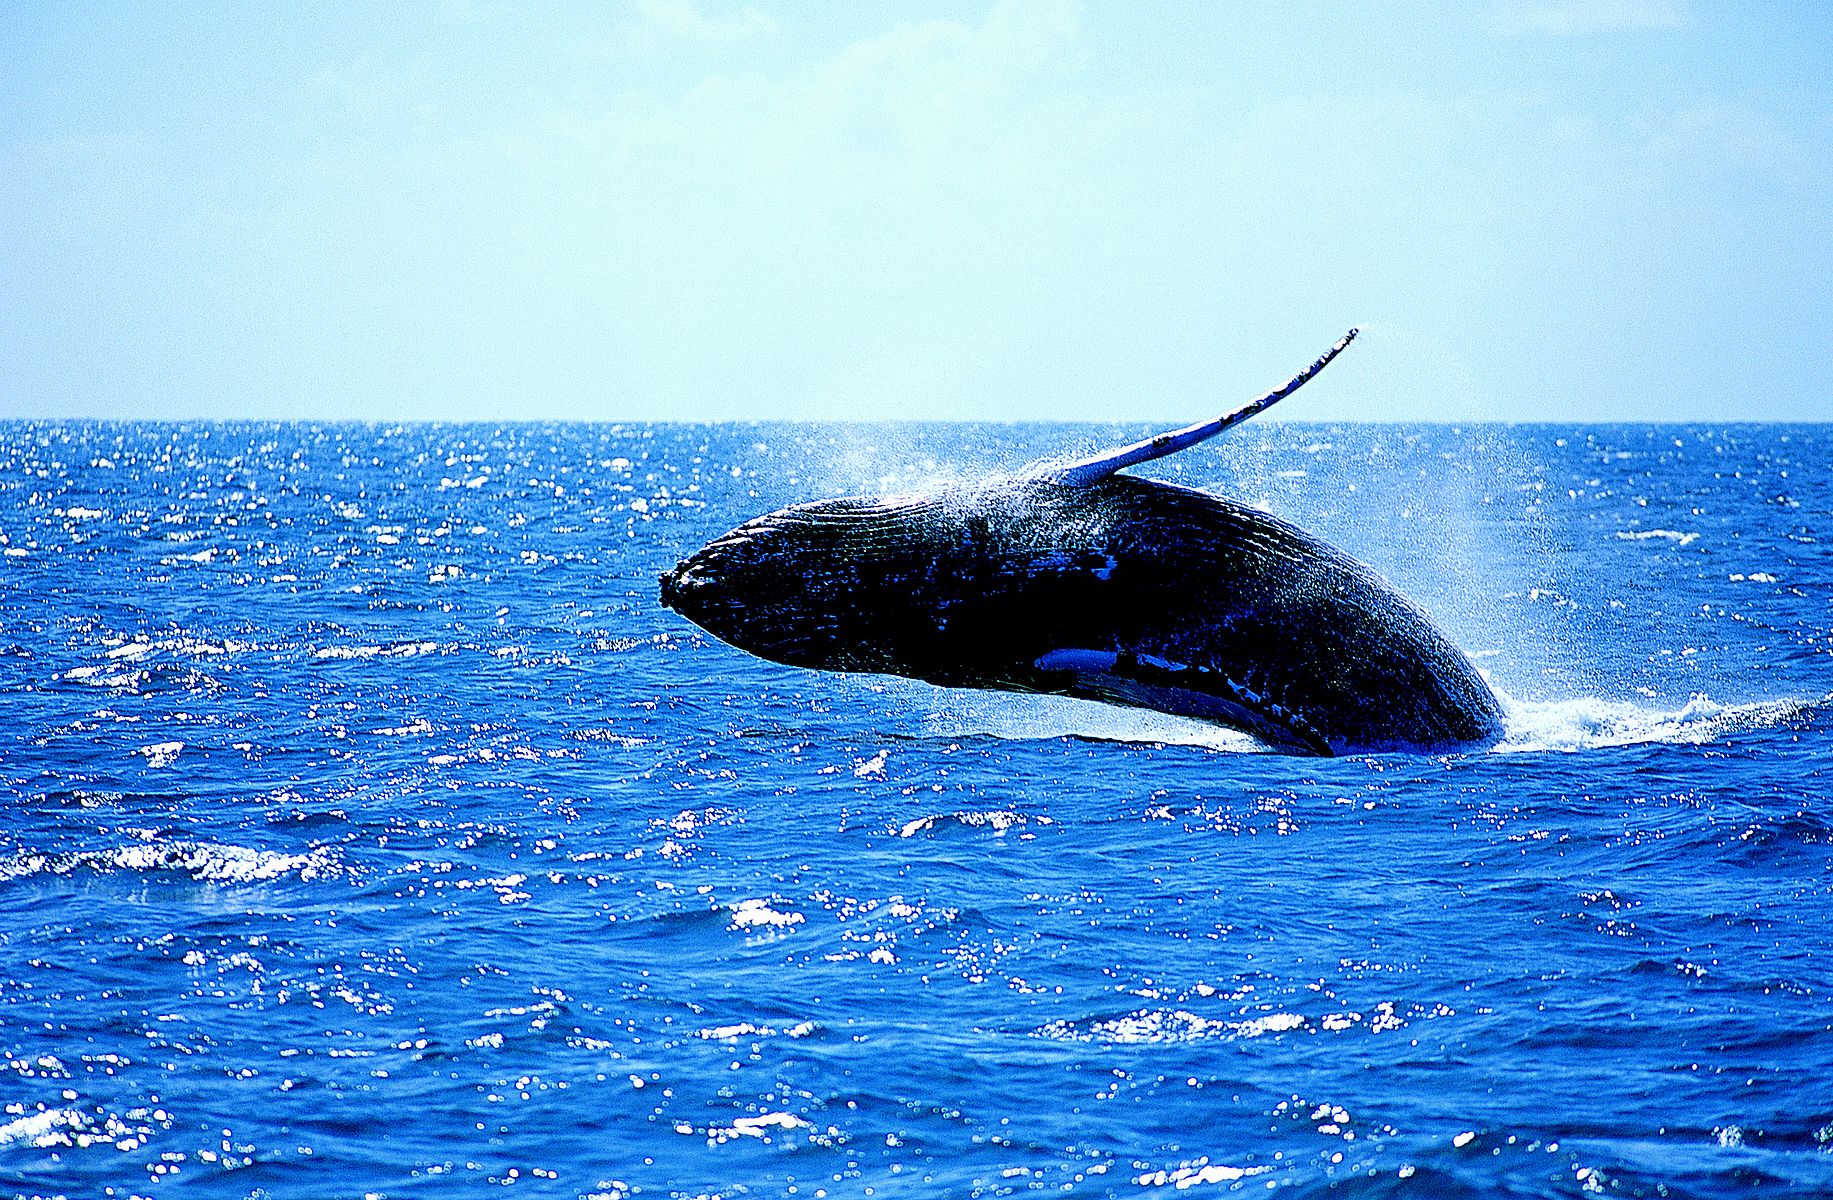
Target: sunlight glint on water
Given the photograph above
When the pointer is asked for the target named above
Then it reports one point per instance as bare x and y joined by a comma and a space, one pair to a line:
371, 828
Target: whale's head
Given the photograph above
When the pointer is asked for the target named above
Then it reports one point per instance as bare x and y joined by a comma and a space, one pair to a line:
821, 585
746, 587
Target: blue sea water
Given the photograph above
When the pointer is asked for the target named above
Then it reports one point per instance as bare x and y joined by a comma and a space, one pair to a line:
370, 829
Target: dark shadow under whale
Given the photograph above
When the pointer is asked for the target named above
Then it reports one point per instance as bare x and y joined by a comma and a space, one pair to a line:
1079, 581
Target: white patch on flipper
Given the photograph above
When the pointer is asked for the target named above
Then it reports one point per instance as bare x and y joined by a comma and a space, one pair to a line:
1184, 689
1065, 561
1077, 660
1246, 693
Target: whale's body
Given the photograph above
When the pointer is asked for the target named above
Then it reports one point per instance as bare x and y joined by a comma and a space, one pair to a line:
1128, 590
1084, 582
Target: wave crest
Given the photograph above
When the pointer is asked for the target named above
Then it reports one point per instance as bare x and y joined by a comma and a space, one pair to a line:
205, 862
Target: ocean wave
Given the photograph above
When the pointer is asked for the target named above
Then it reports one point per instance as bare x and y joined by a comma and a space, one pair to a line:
998, 820
205, 862
1168, 1025
756, 914
71, 1128
404, 649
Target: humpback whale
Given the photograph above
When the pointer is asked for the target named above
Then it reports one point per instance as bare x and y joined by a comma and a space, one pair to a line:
1077, 580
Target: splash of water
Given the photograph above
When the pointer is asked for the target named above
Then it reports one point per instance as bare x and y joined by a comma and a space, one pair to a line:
1529, 726
1586, 722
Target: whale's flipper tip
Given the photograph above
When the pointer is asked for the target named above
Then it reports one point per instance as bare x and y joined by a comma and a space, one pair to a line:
1092, 470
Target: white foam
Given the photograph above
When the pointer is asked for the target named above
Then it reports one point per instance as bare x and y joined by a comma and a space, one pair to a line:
1193, 1176
998, 821
161, 754
397, 650
1583, 723
763, 1123
414, 728
93, 676
731, 1033
757, 914
51, 1127
1678, 537
1176, 1025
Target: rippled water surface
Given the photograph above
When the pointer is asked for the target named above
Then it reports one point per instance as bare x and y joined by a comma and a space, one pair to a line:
371, 829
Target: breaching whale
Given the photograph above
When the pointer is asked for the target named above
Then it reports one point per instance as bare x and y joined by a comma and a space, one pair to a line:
1081, 581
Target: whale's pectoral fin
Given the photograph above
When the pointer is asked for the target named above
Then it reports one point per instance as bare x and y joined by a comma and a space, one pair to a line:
1090, 470
1147, 681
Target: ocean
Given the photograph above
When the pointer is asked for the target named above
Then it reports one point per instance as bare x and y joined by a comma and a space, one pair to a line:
370, 829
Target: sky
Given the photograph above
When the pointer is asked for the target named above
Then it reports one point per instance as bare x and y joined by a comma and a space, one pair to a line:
1535, 210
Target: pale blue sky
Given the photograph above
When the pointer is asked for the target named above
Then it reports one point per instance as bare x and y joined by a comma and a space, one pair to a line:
1536, 209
